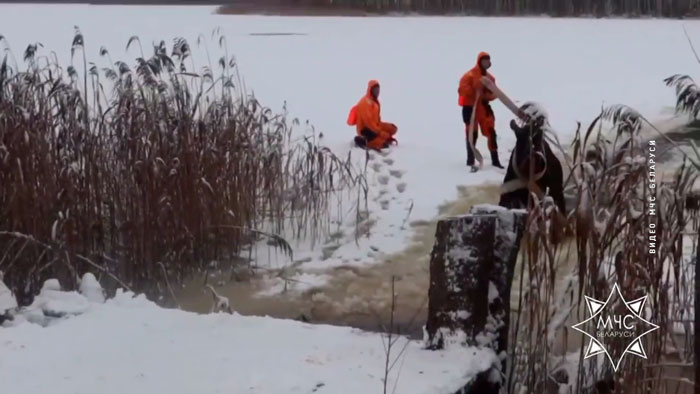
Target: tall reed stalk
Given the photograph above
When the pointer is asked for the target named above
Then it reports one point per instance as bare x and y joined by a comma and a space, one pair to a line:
143, 175
609, 243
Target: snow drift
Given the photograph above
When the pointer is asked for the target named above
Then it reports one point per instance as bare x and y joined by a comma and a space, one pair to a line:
129, 344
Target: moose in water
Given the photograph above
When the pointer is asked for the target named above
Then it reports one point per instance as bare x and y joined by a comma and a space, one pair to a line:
533, 167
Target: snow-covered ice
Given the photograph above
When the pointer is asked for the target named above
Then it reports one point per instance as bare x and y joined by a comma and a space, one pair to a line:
571, 67
130, 345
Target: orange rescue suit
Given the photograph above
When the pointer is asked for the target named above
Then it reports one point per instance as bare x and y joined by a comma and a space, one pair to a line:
366, 116
469, 85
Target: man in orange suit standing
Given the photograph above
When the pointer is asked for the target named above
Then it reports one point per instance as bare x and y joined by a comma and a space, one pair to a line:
475, 97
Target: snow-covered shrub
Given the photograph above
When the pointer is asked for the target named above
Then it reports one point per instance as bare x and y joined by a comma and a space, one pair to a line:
52, 303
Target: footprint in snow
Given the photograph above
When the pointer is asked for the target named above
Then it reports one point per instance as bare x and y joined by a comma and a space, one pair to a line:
401, 187
389, 161
396, 173
377, 167
384, 204
382, 192
383, 179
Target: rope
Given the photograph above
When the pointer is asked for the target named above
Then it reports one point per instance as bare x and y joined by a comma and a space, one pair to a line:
470, 132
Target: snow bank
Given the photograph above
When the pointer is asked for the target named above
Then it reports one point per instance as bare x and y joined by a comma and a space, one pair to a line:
90, 288
130, 345
53, 304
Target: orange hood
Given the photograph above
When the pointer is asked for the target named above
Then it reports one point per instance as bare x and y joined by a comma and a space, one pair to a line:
481, 56
370, 85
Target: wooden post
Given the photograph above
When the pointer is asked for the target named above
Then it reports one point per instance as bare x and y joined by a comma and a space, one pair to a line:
471, 272
457, 306
510, 225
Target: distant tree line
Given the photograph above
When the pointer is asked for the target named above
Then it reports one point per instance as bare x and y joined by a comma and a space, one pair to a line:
598, 8
664, 8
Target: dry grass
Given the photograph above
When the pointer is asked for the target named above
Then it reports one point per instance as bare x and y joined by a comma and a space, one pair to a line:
610, 222
173, 168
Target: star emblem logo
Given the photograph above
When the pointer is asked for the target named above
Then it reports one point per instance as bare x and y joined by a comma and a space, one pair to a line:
621, 326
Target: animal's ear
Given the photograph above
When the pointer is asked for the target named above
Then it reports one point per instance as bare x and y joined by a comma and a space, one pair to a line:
519, 131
